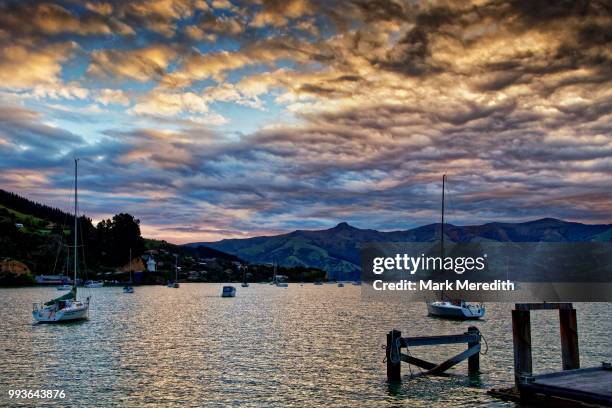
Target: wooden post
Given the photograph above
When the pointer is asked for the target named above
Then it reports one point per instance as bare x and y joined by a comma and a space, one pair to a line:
394, 368
521, 334
474, 360
568, 324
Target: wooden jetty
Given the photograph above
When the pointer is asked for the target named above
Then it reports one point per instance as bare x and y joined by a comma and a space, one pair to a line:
571, 387
394, 356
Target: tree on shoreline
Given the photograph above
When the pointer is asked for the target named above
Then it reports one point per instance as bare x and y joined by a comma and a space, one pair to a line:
116, 236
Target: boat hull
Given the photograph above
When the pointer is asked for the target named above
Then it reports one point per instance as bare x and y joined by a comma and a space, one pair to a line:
65, 315
449, 311
228, 291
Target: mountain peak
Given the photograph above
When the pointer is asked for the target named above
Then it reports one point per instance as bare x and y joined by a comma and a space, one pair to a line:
343, 225
547, 222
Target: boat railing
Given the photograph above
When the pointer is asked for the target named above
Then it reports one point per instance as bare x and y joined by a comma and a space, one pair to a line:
35, 307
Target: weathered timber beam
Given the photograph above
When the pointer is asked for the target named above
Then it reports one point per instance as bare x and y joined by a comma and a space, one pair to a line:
521, 341
417, 362
440, 368
434, 340
542, 306
570, 354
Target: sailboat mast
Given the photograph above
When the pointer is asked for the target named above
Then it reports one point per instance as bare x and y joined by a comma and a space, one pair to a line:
442, 230
130, 263
176, 267
76, 209
442, 224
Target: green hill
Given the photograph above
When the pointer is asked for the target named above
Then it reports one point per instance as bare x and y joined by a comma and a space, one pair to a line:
336, 250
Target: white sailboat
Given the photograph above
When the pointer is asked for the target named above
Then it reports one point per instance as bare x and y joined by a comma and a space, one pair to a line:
128, 288
279, 281
66, 307
452, 308
94, 284
175, 284
244, 284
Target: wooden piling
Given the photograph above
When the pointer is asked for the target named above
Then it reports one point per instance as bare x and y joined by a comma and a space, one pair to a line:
394, 368
568, 324
474, 360
521, 333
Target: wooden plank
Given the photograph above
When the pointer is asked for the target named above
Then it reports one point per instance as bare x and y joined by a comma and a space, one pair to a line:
440, 368
570, 355
417, 362
435, 340
521, 341
593, 386
542, 306
593, 381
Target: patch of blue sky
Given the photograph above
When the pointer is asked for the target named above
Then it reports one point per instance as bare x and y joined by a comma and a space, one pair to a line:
237, 74
245, 120
222, 43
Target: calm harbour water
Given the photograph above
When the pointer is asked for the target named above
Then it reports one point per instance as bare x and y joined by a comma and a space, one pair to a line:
302, 346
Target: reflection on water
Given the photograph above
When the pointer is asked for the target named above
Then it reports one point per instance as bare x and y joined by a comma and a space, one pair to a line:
303, 345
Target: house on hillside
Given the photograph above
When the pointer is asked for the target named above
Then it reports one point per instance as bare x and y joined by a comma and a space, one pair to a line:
151, 264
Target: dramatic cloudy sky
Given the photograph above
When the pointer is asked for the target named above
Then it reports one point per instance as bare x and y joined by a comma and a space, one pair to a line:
226, 118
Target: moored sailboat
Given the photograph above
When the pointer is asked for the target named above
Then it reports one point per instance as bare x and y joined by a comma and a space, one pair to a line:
128, 288
175, 284
452, 308
244, 284
66, 307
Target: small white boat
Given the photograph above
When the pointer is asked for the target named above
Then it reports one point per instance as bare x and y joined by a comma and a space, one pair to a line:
244, 284
455, 309
66, 307
94, 284
175, 284
318, 283
228, 291
279, 280
357, 283
64, 287
128, 288
63, 309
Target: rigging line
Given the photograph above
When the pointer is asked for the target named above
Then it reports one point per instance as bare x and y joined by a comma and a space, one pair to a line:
62, 225
83, 248
486, 344
451, 202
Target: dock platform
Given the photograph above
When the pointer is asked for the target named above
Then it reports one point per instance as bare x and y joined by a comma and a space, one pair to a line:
573, 386
581, 387
587, 385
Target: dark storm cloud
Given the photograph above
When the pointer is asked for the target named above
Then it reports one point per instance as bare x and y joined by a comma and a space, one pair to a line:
26, 140
510, 99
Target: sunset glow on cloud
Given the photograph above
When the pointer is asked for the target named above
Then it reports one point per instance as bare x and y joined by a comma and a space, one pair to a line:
227, 118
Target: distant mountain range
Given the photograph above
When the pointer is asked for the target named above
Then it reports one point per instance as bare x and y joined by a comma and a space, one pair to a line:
336, 250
